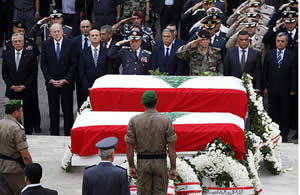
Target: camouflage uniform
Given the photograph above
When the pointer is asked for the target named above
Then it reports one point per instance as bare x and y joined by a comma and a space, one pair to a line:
129, 5
12, 141
200, 62
147, 32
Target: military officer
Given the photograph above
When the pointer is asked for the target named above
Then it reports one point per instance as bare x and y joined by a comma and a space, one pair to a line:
200, 56
105, 178
255, 38
134, 60
142, 6
14, 152
151, 132
42, 26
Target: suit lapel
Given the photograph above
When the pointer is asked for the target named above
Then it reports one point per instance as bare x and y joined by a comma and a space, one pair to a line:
14, 61
23, 56
52, 48
237, 59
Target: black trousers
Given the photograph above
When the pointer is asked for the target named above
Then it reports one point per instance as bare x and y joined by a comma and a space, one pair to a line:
36, 108
279, 110
28, 105
169, 15
6, 21
64, 96
73, 20
104, 20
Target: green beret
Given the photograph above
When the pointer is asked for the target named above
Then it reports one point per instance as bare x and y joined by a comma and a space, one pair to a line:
149, 97
16, 103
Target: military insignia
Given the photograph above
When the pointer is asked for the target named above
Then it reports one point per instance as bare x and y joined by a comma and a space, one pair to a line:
144, 59
29, 47
290, 15
19, 25
55, 11
24, 138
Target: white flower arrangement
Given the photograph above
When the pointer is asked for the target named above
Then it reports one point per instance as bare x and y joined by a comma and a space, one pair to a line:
66, 161
85, 107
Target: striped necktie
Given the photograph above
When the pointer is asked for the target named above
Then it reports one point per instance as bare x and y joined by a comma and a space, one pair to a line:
95, 56
279, 58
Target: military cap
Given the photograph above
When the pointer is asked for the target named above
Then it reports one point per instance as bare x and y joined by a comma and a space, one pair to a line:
209, 1
214, 11
290, 17
203, 34
149, 97
107, 143
136, 13
250, 22
254, 3
253, 12
13, 104
56, 13
293, 1
215, 19
289, 8
19, 24
209, 24
135, 35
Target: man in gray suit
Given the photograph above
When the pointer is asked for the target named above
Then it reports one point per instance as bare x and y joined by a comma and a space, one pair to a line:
244, 59
105, 178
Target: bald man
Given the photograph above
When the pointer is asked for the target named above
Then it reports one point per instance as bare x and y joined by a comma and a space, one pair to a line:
58, 64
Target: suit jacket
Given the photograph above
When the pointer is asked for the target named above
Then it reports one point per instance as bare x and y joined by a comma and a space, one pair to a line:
39, 190
232, 66
26, 74
280, 81
105, 178
88, 71
62, 69
173, 66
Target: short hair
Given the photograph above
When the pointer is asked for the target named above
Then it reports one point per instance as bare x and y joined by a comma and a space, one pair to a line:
33, 172
56, 24
93, 30
108, 28
9, 109
106, 154
168, 30
150, 104
140, 30
243, 32
283, 34
16, 35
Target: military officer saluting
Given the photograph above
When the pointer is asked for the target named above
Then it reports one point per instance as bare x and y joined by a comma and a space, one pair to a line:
14, 152
29, 43
134, 60
42, 27
200, 56
105, 178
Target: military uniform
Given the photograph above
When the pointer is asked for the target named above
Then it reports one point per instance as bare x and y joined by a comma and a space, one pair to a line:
255, 42
151, 132
147, 33
129, 5
29, 45
12, 141
44, 31
130, 63
200, 62
24, 11
236, 27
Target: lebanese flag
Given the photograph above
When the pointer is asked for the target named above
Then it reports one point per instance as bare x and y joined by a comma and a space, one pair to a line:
175, 93
194, 130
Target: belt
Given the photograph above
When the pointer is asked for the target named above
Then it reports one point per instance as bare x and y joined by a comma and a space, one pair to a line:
24, 9
18, 160
152, 156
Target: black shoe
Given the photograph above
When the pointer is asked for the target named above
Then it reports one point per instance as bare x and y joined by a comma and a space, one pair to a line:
284, 139
37, 130
295, 136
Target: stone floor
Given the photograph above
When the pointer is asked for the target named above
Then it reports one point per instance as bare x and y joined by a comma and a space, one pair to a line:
49, 151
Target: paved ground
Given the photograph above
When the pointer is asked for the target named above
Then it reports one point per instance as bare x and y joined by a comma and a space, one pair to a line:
48, 151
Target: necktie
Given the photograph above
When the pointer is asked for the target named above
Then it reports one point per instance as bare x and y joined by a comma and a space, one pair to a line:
105, 45
136, 55
167, 53
57, 51
279, 59
95, 56
243, 59
17, 60
85, 43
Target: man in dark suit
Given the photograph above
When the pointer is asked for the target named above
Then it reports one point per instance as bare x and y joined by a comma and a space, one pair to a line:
33, 175
280, 82
105, 178
134, 59
92, 62
244, 59
19, 73
81, 42
164, 55
57, 64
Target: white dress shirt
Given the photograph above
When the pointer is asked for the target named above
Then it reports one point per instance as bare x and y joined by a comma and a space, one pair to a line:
60, 43
93, 50
241, 53
83, 40
170, 47
293, 33
17, 65
30, 186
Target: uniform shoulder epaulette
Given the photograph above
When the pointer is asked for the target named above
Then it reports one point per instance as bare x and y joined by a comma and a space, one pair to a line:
262, 26
89, 167
69, 27
216, 48
126, 47
146, 51
7, 41
44, 25
121, 168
